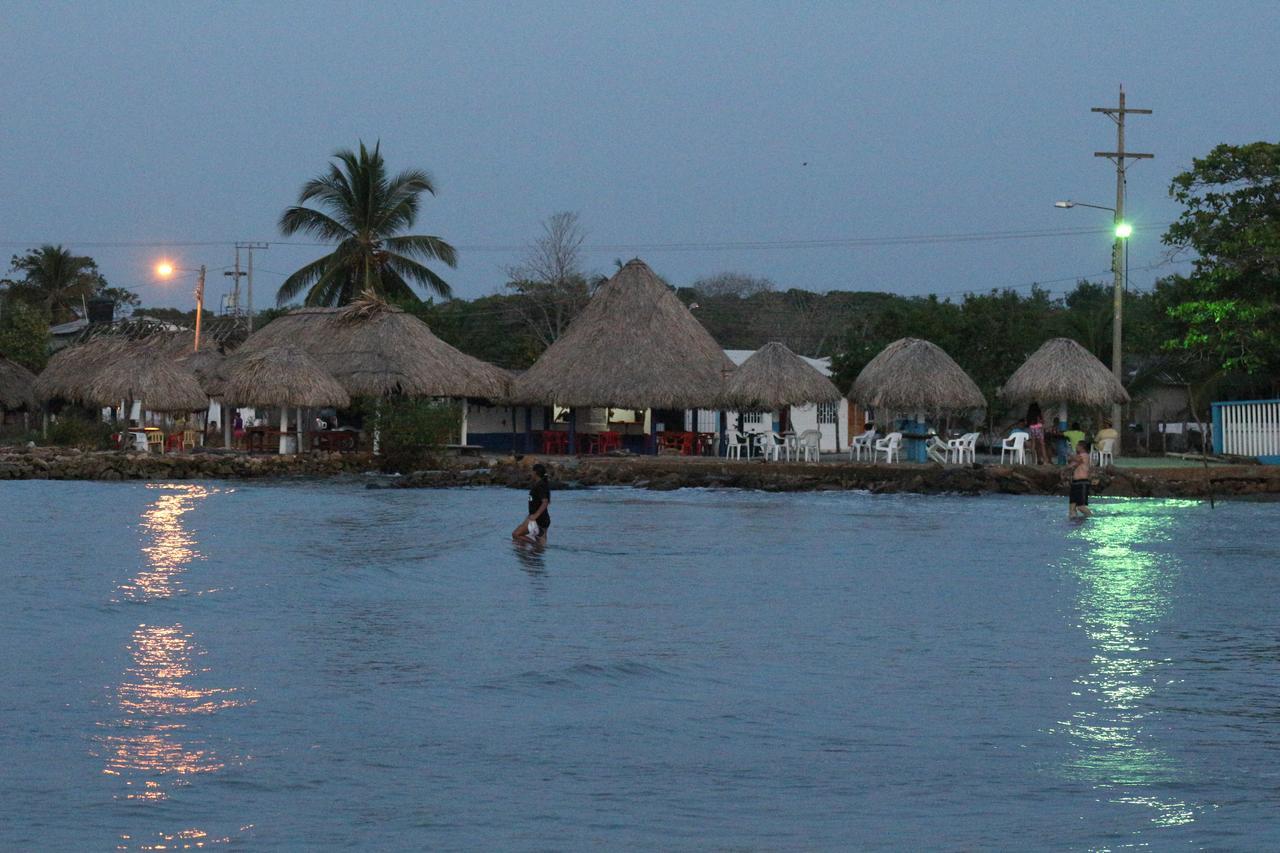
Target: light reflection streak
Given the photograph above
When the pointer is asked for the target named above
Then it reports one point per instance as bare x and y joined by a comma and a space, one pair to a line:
150, 747
1124, 593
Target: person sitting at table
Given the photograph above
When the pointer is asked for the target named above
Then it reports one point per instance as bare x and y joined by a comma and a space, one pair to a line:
1107, 433
210, 433
1073, 436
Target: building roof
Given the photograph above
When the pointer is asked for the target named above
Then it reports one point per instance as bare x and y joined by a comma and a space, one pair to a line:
635, 345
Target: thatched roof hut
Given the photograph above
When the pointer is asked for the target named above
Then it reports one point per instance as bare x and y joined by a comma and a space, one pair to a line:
17, 386
280, 375
138, 372
374, 350
636, 345
775, 378
207, 366
1062, 371
911, 375
69, 372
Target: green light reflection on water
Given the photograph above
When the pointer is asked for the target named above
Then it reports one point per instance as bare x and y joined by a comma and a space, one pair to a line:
1124, 591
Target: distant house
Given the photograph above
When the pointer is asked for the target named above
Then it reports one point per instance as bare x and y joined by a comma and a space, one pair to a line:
831, 419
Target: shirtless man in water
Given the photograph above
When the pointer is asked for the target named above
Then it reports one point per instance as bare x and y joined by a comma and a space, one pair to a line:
1078, 465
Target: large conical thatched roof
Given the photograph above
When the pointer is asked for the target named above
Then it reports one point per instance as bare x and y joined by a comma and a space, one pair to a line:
1062, 371
138, 372
634, 345
280, 375
374, 350
69, 372
911, 375
774, 378
17, 386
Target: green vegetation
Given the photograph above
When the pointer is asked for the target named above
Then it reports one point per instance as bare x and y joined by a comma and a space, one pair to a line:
24, 334
363, 211
413, 431
1228, 309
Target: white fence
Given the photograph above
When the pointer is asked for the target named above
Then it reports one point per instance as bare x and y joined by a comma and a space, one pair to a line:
1249, 428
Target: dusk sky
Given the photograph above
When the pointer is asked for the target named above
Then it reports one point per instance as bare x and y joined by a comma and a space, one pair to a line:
683, 123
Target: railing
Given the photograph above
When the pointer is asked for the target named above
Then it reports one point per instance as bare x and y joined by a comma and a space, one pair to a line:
1247, 428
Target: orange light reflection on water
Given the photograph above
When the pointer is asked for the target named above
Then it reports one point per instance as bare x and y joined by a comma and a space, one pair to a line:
150, 747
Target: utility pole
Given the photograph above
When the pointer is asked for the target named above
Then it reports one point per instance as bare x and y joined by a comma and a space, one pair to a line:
235, 291
250, 246
199, 305
1119, 156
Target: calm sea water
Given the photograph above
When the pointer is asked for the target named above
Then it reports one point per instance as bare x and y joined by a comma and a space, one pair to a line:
309, 666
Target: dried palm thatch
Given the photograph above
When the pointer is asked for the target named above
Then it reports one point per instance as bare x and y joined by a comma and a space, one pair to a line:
207, 365
17, 386
775, 378
635, 345
68, 373
1062, 371
911, 375
137, 371
375, 350
280, 375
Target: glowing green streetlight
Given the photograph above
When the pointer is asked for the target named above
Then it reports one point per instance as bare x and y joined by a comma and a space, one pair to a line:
1123, 230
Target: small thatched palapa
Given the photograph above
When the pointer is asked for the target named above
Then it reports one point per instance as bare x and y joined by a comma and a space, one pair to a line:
775, 378
1062, 371
69, 372
911, 375
17, 386
375, 350
634, 345
138, 372
280, 375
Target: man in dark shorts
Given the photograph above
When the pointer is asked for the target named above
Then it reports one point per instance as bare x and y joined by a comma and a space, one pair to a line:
1078, 465
535, 525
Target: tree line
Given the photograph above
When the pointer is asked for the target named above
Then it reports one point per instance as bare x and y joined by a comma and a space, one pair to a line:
1217, 327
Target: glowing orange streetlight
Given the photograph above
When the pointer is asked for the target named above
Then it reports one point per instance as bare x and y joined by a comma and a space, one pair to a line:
166, 269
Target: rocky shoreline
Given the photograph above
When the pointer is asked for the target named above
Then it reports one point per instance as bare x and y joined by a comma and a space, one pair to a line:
1244, 481
660, 474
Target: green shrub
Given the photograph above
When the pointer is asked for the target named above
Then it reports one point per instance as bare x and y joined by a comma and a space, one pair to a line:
70, 430
414, 432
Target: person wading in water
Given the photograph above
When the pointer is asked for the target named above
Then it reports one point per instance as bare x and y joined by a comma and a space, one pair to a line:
535, 525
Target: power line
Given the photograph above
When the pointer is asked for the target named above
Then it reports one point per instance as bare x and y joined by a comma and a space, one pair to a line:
686, 246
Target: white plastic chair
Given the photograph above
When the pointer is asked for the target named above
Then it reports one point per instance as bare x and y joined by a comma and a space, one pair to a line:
810, 446
963, 449
1013, 445
1104, 453
890, 446
733, 445
770, 445
861, 443
938, 450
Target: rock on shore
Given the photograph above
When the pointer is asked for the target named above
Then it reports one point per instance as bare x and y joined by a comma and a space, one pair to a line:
674, 473
57, 463
659, 474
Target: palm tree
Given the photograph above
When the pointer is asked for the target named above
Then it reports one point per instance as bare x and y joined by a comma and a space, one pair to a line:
55, 280
362, 210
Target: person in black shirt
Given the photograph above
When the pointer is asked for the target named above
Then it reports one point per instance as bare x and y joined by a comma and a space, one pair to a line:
539, 519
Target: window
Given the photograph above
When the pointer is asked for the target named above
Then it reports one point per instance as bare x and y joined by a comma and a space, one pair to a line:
827, 412
753, 417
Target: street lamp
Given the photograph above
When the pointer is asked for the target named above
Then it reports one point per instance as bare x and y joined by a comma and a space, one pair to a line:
166, 269
1120, 272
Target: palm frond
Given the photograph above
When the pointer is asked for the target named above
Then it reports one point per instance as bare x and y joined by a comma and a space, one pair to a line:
311, 221
425, 247
404, 266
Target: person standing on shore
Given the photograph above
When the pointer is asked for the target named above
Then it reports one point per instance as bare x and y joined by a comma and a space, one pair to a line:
535, 525
1078, 465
